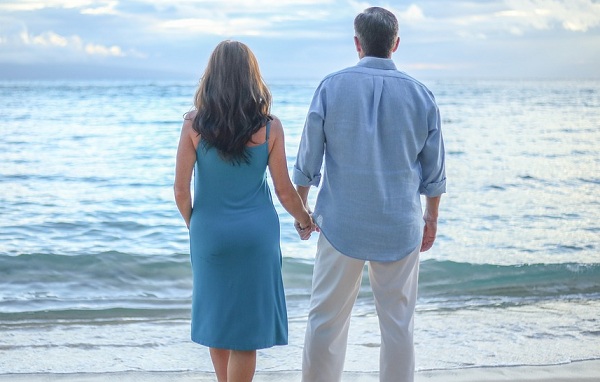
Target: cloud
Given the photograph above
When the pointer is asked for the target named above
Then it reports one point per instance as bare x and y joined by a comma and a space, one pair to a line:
106, 9
101, 50
16, 40
571, 15
220, 27
50, 39
189, 18
36, 5
309, 35
412, 14
225, 22
518, 17
291, 19
434, 22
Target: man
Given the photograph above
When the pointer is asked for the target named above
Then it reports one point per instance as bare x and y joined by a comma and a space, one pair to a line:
379, 131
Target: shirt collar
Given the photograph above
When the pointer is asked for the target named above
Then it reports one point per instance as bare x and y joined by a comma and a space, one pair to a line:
377, 63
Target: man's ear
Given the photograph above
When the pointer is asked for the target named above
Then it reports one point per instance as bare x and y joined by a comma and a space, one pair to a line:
357, 45
396, 44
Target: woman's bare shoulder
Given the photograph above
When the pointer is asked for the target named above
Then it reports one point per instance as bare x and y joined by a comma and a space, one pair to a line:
276, 126
188, 120
189, 116
188, 127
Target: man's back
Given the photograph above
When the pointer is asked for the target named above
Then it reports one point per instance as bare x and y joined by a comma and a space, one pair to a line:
379, 126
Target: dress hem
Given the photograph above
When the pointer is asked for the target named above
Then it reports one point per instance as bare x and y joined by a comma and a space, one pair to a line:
238, 347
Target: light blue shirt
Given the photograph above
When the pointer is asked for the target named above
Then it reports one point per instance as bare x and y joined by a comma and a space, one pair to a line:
379, 131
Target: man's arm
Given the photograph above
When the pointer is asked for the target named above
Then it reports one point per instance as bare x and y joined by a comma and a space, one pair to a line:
430, 216
433, 167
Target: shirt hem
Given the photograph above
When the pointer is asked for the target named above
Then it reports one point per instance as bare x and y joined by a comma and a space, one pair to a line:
366, 258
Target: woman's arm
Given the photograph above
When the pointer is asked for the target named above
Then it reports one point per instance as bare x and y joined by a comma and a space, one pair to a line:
184, 167
284, 189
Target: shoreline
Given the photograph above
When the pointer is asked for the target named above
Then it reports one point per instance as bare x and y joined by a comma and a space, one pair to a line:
579, 371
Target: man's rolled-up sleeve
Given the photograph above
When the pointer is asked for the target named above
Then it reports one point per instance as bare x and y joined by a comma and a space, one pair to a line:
432, 158
307, 170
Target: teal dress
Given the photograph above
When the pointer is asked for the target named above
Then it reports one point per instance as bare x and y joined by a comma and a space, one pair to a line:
238, 300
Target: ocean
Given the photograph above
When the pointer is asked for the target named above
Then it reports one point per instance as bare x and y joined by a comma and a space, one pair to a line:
94, 257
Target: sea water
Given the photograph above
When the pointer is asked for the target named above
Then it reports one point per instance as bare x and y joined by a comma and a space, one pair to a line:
94, 257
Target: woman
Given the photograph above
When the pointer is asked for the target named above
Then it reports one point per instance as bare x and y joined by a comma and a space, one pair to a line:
238, 303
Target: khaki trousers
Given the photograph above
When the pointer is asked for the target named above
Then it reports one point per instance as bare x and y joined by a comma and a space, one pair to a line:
335, 286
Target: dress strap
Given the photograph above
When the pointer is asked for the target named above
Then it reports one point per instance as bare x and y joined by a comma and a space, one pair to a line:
268, 129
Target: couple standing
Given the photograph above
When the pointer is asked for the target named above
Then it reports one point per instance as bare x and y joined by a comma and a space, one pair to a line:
379, 132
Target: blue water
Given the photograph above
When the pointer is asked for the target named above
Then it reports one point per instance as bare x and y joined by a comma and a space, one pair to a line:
94, 267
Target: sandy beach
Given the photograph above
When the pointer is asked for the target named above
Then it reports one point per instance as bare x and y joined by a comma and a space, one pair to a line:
585, 371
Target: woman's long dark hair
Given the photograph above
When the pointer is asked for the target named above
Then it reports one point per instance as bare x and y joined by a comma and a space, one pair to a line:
232, 100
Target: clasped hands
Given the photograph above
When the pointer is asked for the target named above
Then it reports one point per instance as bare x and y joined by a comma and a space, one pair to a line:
304, 230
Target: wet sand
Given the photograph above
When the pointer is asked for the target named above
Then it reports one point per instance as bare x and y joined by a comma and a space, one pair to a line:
584, 371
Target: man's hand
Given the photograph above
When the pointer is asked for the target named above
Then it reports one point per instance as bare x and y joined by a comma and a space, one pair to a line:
305, 231
431, 217
429, 232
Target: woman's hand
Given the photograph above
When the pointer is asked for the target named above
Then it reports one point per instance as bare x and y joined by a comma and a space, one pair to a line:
305, 230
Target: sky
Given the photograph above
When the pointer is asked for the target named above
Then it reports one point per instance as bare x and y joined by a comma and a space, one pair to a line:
296, 39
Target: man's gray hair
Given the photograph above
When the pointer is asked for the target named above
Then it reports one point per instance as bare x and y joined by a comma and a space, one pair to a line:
377, 30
